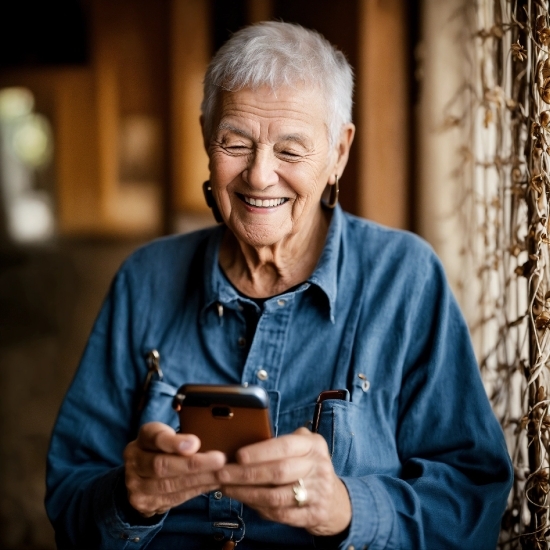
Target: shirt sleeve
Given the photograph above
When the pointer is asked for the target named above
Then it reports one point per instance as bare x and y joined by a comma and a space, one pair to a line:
456, 472
86, 498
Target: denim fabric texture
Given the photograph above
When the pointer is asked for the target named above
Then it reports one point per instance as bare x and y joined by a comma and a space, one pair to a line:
417, 445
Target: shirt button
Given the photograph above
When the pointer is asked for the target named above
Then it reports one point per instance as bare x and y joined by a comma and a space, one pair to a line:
241, 341
351, 547
136, 539
281, 302
262, 374
218, 495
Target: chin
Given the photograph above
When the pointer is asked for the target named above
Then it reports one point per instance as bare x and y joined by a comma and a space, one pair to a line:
258, 236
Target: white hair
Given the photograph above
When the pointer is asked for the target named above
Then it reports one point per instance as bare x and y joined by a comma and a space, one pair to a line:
277, 54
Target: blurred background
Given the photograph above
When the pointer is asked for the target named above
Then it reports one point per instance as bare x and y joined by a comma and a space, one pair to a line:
100, 150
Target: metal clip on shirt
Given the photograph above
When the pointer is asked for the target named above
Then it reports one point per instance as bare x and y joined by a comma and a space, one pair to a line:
153, 367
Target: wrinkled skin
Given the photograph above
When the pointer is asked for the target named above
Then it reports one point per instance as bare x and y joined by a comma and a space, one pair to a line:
165, 469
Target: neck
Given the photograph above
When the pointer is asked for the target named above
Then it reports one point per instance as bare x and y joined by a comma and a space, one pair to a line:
261, 272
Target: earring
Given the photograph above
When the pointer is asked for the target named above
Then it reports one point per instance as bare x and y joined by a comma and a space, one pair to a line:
333, 197
210, 201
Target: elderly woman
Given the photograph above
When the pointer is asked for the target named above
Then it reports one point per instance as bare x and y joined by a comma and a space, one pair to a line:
294, 295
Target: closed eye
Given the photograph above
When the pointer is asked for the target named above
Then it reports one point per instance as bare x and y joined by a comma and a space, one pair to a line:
237, 149
290, 155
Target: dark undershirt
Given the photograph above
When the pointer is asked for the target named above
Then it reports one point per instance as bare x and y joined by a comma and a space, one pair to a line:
259, 301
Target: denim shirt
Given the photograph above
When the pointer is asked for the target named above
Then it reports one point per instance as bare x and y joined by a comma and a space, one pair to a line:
416, 443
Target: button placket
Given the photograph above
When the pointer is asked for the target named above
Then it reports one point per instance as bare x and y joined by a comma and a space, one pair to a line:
266, 354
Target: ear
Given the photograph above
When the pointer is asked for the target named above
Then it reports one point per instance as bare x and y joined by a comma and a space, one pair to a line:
343, 146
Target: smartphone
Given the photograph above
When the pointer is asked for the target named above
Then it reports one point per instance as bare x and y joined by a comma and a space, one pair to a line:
224, 417
323, 396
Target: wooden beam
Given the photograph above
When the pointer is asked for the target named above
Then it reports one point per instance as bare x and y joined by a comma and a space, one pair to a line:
190, 38
383, 112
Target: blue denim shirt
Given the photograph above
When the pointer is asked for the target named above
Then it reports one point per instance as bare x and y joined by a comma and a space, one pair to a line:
417, 445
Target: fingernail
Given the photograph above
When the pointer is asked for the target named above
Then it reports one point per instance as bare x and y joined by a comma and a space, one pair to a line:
185, 445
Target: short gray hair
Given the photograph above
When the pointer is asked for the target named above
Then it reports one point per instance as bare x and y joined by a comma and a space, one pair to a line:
276, 54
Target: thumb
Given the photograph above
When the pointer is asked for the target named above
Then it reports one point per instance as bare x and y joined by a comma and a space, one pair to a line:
159, 437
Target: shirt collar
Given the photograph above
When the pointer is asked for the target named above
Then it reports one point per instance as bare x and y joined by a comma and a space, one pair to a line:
325, 275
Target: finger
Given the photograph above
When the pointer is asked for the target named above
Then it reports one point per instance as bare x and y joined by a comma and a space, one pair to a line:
279, 503
300, 443
280, 472
327, 511
171, 485
163, 465
262, 496
150, 504
155, 436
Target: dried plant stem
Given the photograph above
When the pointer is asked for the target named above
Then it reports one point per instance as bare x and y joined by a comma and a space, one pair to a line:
505, 207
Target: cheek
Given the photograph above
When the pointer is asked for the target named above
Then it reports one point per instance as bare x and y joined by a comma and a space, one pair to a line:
309, 182
224, 169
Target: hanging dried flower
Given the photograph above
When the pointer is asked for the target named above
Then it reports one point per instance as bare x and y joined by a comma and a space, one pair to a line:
508, 116
519, 53
543, 32
543, 79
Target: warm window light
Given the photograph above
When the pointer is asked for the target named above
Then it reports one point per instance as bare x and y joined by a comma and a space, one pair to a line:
15, 103
26, 144
32, 218
32, 140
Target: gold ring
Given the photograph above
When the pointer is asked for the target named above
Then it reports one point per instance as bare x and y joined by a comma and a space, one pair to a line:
300, 493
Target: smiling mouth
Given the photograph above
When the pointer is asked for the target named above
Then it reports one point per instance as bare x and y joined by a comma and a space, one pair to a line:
262, 203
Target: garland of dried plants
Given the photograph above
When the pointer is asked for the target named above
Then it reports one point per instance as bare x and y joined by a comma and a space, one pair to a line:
505, 175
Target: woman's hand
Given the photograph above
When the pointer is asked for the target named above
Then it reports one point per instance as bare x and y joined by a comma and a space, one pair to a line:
164, 469
266, 473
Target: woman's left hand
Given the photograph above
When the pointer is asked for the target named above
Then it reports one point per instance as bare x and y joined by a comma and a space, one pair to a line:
266, 474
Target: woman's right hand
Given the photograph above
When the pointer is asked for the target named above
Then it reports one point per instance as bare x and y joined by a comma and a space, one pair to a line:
165, 469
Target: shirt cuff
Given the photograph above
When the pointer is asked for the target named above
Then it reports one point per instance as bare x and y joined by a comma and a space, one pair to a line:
372, 516
118, 519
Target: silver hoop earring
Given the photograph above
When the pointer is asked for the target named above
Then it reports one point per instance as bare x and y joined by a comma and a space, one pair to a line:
333, 196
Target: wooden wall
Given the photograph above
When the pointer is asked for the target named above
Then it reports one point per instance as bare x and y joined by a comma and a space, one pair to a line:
144, 78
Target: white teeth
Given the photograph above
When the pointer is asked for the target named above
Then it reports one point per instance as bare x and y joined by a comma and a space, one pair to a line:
267, 203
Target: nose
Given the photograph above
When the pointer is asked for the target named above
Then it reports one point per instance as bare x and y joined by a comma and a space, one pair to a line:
261, 171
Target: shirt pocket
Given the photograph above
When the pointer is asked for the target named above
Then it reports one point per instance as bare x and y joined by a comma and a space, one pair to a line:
158, 405
336, 425
359, 441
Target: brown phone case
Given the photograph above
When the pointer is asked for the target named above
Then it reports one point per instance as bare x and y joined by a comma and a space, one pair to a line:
224, 417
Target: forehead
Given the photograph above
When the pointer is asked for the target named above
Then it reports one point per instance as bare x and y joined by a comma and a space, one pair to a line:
264, 111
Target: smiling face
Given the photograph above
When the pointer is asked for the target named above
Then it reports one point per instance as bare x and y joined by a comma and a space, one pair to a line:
270, 162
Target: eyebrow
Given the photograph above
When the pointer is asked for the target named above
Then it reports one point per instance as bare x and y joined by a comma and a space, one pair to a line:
234, 129
297, 138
